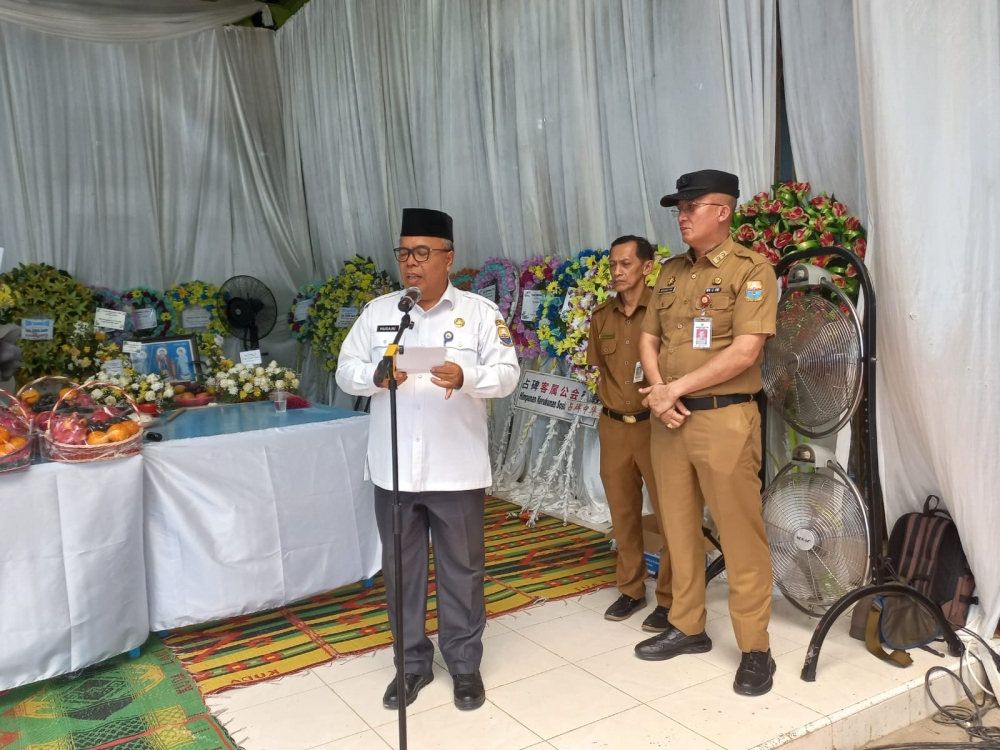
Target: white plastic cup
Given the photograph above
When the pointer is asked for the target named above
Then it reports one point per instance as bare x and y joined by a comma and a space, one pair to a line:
280, 399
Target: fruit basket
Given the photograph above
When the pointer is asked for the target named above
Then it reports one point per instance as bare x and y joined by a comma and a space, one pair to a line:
188, 395
84, 428
39, 397
15, 434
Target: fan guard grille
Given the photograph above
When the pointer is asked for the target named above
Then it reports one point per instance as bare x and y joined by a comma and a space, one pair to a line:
812, 366
818, 532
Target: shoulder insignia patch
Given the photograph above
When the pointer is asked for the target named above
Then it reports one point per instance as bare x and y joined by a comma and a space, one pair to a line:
755, 291
503, 333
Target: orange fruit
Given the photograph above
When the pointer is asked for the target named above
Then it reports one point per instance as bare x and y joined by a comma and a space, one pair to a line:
132, 426
118, 432
4, 434
64, 391
18, 442
6, 448
30, 396
98, 437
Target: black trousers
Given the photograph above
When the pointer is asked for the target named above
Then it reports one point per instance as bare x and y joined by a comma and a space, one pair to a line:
455, 521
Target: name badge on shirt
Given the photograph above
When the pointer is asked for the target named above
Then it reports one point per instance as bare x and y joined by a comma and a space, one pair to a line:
702, 337
638, 375
388, 329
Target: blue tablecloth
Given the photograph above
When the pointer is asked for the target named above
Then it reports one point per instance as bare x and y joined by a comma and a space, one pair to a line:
228, 419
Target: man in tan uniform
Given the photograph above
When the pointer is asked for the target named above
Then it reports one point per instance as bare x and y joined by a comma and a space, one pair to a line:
624, 428
701, 348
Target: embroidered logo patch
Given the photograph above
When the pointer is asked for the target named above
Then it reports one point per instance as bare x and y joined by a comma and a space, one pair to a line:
388, 329
503, 333
755, 291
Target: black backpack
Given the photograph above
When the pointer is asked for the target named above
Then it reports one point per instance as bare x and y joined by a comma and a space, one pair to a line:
924, 552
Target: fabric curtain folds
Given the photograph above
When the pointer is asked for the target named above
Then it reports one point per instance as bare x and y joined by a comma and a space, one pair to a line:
541, 127
125, 21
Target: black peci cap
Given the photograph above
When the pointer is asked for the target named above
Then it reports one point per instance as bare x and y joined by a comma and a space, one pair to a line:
426, 222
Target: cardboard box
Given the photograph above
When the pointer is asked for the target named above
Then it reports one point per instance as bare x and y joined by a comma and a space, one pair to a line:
652, 542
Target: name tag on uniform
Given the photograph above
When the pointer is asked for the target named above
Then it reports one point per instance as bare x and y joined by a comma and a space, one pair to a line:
702, 338
638, 375
388, 329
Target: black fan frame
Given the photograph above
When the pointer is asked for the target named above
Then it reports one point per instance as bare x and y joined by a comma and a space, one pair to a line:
250, 334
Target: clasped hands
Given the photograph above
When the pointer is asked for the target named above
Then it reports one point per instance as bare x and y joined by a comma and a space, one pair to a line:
665, 403
448, 376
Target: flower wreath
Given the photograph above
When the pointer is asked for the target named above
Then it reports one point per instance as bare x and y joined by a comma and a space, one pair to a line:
777, 223
196, 294
464, 279
142, 298
300, 329
42, 291
113, 300
536, 273
6, 301
499, 271
557, 324
357, 285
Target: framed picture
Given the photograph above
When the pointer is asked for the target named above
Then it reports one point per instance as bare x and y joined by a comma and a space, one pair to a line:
171, 357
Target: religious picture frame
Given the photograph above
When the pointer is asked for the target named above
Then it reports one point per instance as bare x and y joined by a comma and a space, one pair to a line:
174, 358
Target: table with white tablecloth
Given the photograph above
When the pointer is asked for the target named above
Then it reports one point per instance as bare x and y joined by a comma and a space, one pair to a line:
72, 573
248, 510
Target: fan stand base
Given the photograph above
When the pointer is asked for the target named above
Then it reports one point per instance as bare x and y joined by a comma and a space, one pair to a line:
955, 647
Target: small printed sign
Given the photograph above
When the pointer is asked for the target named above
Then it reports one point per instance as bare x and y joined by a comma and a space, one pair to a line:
346, 317
144, 319
131, 347
553, 396
302, 309
113, 367
530, 304
251, 357
195, 318
490, 292
37, 329
112, 320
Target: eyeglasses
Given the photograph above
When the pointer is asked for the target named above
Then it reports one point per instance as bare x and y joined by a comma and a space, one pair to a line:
420, 252
690, 208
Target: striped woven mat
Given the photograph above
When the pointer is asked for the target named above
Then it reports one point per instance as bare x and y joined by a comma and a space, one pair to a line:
524, 566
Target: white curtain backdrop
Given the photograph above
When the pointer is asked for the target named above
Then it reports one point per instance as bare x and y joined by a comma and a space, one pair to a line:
126, 20
151, 163
541, 127
930, 119
821, 98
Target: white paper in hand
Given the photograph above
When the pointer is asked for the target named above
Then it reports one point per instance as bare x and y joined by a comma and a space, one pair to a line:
417, 359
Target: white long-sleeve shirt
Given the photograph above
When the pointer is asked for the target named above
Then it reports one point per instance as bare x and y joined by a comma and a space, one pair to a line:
443, 445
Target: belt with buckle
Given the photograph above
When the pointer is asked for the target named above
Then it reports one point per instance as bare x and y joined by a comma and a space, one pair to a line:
626, 418
715, 402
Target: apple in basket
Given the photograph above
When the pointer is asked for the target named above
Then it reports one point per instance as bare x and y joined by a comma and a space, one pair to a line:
69, 431
42, 420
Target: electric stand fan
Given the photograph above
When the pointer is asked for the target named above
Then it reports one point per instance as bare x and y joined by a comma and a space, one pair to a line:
825, 531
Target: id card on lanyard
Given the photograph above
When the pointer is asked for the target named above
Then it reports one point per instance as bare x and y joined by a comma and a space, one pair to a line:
701, 337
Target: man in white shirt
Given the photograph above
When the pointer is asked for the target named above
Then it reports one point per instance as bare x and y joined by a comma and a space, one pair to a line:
444, 464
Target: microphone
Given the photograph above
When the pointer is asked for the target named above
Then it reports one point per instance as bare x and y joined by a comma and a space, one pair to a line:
410, 297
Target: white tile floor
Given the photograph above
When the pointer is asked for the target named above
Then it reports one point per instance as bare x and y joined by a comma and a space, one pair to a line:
560, 676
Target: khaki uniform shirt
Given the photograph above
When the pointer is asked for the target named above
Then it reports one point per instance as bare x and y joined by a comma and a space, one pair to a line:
743, 298
614, 348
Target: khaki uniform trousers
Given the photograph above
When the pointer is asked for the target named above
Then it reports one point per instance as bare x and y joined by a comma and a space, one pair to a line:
714, 458
625, 462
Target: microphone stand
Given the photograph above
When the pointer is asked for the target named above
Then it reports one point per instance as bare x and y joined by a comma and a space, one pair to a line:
387, 369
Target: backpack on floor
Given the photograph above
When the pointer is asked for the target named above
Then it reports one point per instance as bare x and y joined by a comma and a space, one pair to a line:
924, 552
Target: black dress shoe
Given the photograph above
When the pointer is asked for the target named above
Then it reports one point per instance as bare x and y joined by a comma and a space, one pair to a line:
470, 693
624, 607
672, 643
656, 621
414, 683
756, 672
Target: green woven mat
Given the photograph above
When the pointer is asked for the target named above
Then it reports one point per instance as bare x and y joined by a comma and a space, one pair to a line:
148, 703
